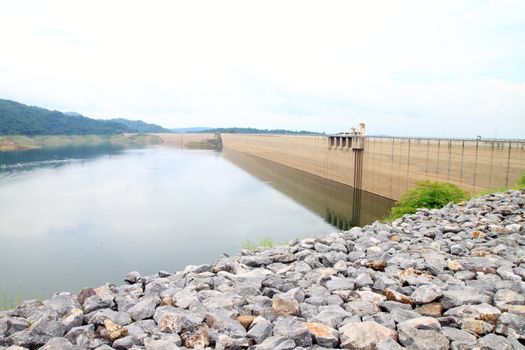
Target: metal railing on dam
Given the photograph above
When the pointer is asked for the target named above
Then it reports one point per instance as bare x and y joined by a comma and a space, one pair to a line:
392, 165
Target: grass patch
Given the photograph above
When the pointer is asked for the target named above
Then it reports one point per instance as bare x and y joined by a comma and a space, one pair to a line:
426, 194
7, 303
265, 243
213, 144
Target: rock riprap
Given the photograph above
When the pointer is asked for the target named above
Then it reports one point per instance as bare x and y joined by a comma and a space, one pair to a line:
451, 278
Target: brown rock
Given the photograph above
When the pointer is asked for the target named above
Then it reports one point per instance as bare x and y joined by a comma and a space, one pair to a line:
323, 335
327, 272
285, 307
478, 234
197, 339
396, 296
432, 310
114, 331
454, 265
84, 294
246, 321
476, 326
516, 309
394, 238
318, 329
166, 301
378, 265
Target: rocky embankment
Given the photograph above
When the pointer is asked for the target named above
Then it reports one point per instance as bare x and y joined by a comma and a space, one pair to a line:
439, 279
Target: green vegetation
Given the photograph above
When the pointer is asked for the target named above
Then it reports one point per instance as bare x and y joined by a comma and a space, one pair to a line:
140, 126
259, 131
6, 303
521, 180
11, 143
214, 143
265, 243
19, 119
427, 194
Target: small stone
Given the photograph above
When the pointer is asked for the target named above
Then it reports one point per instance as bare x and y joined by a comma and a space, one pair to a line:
432, 310
260, 329
396, 296
276, 343
114, 331
246, 321
285, 307
378, 265
477, 234
454, 265
476, 326
197, 339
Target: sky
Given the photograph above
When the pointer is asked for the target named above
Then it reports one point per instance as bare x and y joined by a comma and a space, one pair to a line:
405, 68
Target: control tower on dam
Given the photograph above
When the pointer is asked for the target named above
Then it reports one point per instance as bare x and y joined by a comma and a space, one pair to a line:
389, 166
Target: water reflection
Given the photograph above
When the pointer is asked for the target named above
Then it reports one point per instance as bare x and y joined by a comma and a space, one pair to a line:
53, 157
340, 205
85, 223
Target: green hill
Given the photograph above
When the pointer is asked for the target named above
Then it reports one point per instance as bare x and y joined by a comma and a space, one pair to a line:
140, 126
19, 119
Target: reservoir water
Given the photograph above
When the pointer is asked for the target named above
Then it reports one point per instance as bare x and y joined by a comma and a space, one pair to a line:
77, 217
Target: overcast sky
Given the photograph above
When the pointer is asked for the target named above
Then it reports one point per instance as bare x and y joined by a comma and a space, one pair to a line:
441, 68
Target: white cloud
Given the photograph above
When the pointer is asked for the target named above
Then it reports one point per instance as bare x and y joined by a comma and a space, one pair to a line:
399, 66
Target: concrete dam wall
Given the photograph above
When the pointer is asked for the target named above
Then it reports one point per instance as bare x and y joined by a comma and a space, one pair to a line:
390, 165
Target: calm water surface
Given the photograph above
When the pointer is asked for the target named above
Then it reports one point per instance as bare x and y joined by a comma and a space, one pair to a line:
81, 216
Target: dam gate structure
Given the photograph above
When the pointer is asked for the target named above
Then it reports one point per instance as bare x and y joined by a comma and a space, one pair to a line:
389, 166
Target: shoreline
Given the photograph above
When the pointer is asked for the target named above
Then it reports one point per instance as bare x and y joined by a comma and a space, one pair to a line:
447, 278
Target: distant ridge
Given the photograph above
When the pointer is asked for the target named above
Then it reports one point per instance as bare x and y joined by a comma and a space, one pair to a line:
140, 126
236, 130
191, 129
19, 119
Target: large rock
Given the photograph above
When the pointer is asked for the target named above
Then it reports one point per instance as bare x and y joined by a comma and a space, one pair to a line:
453, 298
364, 335
323, 335
285, 306
144, 308
426, 294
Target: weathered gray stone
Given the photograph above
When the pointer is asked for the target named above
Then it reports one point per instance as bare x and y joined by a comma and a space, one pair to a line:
292, 328
144, 308
426, 294
59, 343
364, 335
452, 298
260, 329
276, 343
493, 342
511, 325
99, 316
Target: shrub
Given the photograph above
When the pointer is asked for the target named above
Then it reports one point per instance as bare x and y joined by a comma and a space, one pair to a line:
427, 194
521, 180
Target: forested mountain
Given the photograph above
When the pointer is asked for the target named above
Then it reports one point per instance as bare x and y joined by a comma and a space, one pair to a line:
140, 126
19, 119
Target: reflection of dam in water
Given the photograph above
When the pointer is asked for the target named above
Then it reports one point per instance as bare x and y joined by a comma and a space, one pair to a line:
339, 204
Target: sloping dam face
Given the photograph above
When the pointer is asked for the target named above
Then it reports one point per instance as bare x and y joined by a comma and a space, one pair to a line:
391, 166
340, 205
